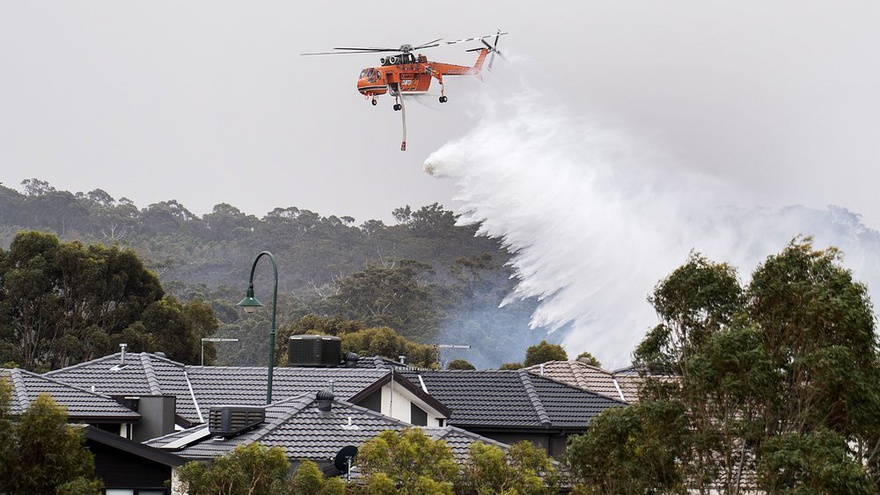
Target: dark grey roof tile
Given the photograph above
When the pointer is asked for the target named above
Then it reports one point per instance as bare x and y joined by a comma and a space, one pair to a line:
512, 398
304, 432
81, 405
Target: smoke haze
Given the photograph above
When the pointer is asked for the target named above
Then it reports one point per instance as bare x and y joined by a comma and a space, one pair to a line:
596, 219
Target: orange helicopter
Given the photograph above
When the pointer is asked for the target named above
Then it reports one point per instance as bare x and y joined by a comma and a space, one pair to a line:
406, 73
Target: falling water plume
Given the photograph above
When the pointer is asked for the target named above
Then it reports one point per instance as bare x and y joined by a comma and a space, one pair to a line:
595, 219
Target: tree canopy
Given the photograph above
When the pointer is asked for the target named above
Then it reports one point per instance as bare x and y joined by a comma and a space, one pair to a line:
778, 377
408, 460
40, 452
544, 352
426, 277
62, 303
252, 469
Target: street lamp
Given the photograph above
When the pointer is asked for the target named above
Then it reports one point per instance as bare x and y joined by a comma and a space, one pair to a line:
250, 303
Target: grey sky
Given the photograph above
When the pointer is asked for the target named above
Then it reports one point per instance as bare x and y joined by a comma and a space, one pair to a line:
210, 102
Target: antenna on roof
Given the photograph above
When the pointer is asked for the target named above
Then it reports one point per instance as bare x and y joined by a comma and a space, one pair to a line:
343, 460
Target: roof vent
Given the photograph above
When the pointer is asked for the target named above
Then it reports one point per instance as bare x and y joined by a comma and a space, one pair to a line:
351, 360
314, 350
122, 353
229, 421
325, 400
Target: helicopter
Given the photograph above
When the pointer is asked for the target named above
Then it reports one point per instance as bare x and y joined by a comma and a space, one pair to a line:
406, 73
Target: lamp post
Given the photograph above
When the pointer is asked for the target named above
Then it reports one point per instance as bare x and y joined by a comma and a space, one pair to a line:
250, 303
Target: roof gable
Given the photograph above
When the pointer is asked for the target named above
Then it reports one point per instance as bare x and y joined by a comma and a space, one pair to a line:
415, 391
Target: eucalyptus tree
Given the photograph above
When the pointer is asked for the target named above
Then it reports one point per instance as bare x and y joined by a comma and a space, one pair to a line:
61, 303
253, 469
776, 377
407, 462
40, 452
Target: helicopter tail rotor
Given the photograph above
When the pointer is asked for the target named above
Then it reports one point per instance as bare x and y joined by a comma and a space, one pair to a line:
491, 48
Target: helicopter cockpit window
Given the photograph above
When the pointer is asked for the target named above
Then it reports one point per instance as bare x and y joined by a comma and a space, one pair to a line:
364, 73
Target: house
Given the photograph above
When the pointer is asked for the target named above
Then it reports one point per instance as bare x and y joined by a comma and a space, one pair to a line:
83, 406
140, 376
621, 385
507, 406
126, 467
314, 426
514, 405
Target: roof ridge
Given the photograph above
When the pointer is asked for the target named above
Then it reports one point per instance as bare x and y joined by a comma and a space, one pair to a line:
19, 389
579, 378
525, 378
82, 364
150, 373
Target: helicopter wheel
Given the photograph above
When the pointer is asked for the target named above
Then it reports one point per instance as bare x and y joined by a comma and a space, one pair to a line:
442, 99
396, 107
374, 102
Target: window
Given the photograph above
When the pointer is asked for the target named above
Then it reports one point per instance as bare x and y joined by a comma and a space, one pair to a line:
418, 416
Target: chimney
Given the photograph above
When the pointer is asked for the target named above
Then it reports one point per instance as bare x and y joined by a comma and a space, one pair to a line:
331, 386
325, 400
122, 352
542, 369
402, 359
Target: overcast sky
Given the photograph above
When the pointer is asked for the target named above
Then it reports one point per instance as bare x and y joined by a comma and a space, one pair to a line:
210, 102
681, 105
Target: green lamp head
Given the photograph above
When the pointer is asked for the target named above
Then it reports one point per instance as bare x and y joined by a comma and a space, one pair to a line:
250, 303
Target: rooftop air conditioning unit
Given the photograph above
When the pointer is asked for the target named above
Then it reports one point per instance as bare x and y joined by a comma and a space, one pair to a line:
229, 421
314, 350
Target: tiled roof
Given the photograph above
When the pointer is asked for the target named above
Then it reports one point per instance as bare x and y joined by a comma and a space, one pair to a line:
199, 387
141, 373
81, 405
214, 385
620, 386
513, 399
305, 432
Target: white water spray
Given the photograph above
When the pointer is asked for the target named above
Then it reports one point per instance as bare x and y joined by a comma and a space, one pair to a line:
596, 220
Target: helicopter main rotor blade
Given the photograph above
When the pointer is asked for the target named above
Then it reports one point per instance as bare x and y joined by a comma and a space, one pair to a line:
478, 38
350, 50
366, 49
430, 44
354, 51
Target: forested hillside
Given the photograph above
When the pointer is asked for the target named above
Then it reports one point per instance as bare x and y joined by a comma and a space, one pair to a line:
424, 276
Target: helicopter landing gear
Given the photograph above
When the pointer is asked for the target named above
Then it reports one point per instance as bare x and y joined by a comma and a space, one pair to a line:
374, 102
443, 99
